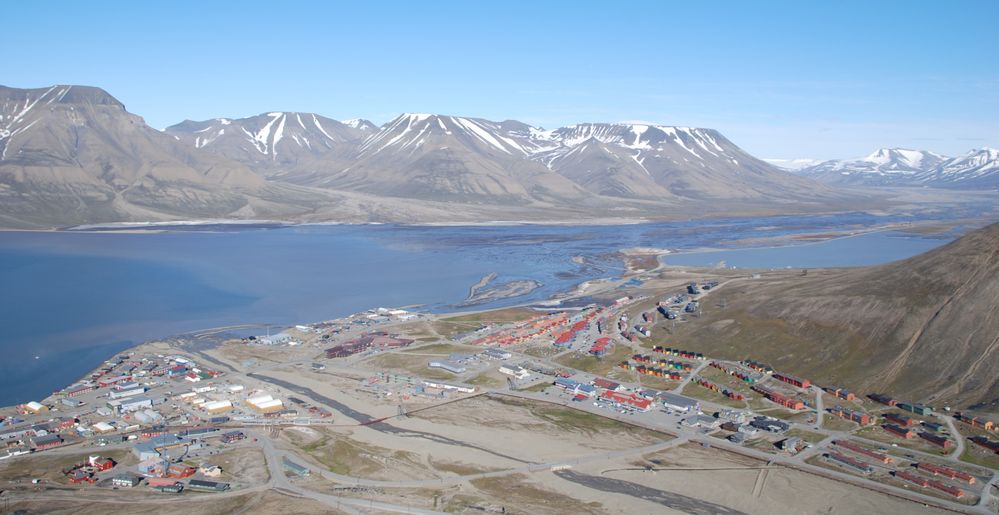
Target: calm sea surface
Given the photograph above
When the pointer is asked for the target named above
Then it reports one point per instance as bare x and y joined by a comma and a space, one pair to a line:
71, 299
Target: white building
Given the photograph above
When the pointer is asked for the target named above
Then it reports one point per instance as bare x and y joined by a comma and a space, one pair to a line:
515, 371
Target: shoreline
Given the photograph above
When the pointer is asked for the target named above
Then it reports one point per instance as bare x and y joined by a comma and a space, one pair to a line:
585, 287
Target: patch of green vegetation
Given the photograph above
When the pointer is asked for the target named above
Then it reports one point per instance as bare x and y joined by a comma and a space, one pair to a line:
517, 490
570, 419
761, 444
415, 365
461, 502
978, 456
460, 324
460, 469
699, 392
834, 423
808, 436
441, 348
344, 456
792, 416
486, 379
877, 433
594, 365
540, 387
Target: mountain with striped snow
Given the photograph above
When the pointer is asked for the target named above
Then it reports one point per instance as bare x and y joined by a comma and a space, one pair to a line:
660, 161
454, 159
275, 144
74, 155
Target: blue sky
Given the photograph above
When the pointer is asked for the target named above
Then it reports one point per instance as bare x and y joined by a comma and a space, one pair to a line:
781, 79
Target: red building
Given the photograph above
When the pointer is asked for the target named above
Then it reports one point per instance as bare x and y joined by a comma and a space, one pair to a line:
936, 440
859, 449
796, 381
899, 431
101, 464
883, 399
627, 399
901, 420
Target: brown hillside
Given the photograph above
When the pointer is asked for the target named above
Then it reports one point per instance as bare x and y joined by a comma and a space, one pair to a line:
926, 328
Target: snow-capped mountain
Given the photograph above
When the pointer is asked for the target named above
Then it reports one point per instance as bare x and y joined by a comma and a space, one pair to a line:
902, 167
793, 164
451, 158
276, 144
73, 154
659, 161
883, 167
361, 124
976, 169
457, 158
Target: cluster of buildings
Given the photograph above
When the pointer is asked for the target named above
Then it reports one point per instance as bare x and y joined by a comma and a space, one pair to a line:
525, 330
779, 398
613, 393
374, 340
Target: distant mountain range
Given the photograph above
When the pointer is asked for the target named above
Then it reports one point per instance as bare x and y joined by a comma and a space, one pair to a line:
73, 155
459, 159
978, 169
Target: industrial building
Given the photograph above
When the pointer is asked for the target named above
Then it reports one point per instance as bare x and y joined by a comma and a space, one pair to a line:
772, 425
265, 403
121, 393
449, 366
679, 402
47, 441
35, 407
207, 486
217, 407
495, 353
125, 481
377, 340
515, 371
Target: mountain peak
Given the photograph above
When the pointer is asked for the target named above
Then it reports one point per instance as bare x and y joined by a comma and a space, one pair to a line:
361, 124
61, 94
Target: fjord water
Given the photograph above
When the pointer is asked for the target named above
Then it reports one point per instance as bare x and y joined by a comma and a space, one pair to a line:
72, 299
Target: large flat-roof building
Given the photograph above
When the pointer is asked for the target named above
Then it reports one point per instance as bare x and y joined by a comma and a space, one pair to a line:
679, 402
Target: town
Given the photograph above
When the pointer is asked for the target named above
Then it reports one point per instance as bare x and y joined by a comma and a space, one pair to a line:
215, 414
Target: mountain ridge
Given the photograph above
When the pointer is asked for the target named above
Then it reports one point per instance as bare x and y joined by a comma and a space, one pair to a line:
905, 167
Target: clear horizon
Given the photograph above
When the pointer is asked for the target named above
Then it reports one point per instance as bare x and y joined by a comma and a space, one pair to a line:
782, 80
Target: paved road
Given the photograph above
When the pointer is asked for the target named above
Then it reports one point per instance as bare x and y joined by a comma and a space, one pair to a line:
276, 455
378, 424
958, 438
665, 498
697, 370
280, 481
819, 408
